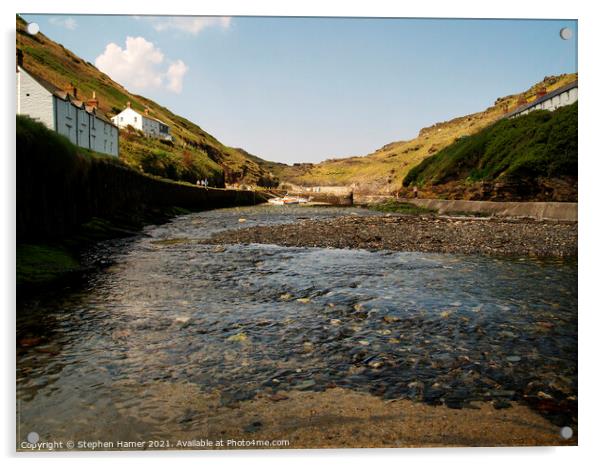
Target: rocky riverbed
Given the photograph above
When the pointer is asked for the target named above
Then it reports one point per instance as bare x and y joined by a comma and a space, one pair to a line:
175, 338
418, 234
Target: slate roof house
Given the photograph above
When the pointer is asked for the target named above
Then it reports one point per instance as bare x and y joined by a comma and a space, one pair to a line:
565, 95
64, 112
151, 127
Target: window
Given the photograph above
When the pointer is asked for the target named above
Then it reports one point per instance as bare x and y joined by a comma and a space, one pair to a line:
135, 119
120, 118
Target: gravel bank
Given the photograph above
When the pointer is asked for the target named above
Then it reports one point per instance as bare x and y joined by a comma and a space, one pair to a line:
342, 418
419, 234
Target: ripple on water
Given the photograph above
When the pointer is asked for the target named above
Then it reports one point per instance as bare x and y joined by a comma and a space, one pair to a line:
240, 319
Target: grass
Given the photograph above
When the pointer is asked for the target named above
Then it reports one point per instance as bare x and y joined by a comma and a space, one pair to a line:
49, 168
539, 144
176, 163
401, 208
384, 170
36, 143
37, 263
195, 155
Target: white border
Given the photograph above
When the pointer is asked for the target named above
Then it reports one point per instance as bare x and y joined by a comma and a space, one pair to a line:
589, 260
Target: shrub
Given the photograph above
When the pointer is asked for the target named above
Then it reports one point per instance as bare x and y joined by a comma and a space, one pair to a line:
539, 144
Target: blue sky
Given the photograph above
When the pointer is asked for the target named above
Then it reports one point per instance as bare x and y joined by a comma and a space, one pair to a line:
307, 89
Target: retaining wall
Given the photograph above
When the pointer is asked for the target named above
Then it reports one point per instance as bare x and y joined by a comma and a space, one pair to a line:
326, 197
567, 211
52, 201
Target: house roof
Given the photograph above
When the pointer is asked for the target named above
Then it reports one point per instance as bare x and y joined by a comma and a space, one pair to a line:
156, 119
65, 96
153, 118
543, 98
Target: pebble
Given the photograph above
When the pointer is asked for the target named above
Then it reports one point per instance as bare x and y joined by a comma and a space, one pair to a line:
502, 404
417, 233
278, 397
30, 341
513, 358
188, 416
239, 338
253, 427
305, 385
391, 319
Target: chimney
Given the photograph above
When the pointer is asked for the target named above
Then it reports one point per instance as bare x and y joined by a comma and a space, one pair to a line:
93, 102
20, 58
71, 89
541, 92
129, 104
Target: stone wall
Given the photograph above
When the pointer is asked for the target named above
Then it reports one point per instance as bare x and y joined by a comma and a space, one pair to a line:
55, 198
564, 211
325, 197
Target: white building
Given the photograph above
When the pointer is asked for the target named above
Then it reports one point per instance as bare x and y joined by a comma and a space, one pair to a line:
151, 127
565, 95
60, 110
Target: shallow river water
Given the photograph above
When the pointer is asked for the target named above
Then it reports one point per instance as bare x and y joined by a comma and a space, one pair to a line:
242, 319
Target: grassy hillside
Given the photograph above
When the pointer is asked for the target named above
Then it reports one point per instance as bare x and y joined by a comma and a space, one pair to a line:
540, 144
69, 198
384, 170
195, 153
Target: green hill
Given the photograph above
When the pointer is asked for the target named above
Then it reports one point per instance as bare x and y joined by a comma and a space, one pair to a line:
384, 170
540, 144
194, 154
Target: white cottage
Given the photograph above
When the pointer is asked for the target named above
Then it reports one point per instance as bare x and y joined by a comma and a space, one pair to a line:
60, 110
565, 95
151, 127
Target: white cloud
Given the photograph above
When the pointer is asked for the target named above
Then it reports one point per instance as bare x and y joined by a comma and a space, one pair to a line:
175, 74
189, 24
67, 23
141, 66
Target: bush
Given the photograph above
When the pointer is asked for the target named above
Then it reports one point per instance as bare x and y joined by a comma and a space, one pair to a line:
540, 144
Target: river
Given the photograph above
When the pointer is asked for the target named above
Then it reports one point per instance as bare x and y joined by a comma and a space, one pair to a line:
170, 318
